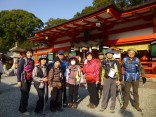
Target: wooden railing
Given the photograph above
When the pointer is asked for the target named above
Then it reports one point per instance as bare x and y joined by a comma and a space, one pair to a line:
150, 68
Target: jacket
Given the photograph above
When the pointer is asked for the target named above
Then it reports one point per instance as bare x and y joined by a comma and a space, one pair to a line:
55, 77
24, 73
91, 70
109, 64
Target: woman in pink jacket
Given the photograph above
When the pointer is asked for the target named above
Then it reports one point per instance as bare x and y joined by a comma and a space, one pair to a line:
91, 70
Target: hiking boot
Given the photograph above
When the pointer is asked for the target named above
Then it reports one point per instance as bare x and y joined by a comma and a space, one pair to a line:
102, 109
26, 113
75, 105
89, 105
138, 109
70, 105
123, 108
112, 111
93, 106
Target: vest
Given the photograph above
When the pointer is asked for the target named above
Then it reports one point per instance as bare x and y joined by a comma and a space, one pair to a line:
39, 74
108, 64
131, 69
73, 75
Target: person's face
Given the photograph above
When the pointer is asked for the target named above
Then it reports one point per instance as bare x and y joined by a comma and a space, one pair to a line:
89, 57
131, 54
61, 56
57, 64
109, 55
29, 54
101, 57
43, 61
72, 62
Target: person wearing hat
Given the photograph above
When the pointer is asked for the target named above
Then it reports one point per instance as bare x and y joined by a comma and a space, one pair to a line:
91, 71
63, 65
132, 71
40, 73
112, 78
56, 86
24, 78
101, 75
73, 80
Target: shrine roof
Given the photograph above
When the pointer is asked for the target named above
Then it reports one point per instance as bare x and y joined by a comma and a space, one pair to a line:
105, 16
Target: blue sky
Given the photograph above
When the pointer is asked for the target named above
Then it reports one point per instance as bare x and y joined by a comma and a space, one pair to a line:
45, 9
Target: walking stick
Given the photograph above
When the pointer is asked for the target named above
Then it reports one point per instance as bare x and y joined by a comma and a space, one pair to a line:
142, 100
45, 96
119, 86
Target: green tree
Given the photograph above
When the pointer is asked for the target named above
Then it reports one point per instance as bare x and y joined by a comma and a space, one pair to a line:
99, 3
53, 22
86, 10
17, 26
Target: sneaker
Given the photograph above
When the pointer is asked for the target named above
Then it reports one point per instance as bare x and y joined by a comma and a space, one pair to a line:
112, 111
102, 109
89, 105
123, 108
75, 105
138, 109
92, 106
26, 113
70, 105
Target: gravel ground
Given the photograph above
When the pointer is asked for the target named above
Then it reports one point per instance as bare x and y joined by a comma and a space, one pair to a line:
10, 96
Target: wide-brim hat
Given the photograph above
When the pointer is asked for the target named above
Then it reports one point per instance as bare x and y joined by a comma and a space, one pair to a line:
43, 57
132, 49
110, 51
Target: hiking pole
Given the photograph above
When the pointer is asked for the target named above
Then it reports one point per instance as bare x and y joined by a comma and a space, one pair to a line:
120, 95
119, 86
45, 96
142, 100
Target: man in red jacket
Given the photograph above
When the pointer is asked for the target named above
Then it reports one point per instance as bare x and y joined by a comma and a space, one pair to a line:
91, 70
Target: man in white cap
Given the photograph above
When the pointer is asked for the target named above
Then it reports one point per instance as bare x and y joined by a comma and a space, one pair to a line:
132, 71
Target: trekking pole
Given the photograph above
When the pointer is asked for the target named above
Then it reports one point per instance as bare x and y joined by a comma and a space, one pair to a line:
45, 96
119, 86
63, 85
142, 100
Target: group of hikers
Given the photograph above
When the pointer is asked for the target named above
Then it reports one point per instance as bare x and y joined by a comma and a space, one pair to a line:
102, 76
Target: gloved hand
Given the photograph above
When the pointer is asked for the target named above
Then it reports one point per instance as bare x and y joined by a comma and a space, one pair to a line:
143, 80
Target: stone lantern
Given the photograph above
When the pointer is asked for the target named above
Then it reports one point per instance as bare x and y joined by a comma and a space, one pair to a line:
16, 55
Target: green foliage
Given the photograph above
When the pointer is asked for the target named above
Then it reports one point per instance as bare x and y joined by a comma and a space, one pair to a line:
26, 44
122, 4
17, 26
99, 3
53, 22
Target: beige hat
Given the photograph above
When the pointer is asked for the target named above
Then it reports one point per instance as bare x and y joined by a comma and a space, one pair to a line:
132, 49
